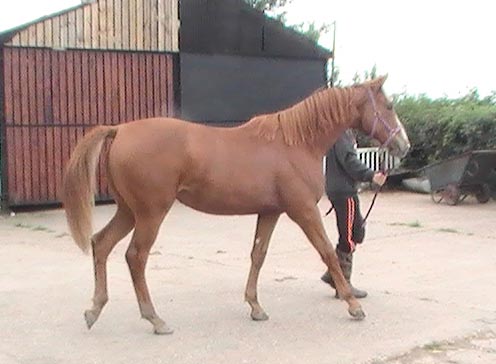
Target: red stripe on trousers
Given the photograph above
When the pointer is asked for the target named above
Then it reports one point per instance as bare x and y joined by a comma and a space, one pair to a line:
351, 217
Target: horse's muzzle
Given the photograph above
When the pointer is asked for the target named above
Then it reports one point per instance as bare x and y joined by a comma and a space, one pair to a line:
399, 146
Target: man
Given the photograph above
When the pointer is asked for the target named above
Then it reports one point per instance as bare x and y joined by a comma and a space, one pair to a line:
343, 172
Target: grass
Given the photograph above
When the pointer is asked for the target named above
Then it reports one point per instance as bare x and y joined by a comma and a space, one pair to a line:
42, 228
433, 346
418, 224
449, 230
412, 224
22, 225
33, 227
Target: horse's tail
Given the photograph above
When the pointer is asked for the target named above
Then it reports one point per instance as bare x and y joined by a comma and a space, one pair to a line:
80, 184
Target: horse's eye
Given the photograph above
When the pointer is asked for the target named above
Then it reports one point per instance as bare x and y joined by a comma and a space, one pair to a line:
389, 106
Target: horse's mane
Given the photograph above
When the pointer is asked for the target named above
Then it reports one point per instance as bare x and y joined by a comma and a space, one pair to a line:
316, 115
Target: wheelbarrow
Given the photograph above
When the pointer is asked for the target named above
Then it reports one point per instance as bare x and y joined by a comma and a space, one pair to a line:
453, 179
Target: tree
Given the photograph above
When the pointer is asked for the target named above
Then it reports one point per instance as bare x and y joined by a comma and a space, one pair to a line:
310, 30
367, 75
268, 5
271, 6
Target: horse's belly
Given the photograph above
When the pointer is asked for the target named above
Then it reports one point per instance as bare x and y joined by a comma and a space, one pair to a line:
229, 200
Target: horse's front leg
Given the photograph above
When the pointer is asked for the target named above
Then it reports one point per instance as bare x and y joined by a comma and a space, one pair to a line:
308, 218
265, 227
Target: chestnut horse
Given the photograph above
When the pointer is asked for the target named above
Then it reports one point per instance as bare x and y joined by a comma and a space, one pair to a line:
268, 166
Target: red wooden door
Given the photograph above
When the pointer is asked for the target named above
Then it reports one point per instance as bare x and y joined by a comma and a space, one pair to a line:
51, 98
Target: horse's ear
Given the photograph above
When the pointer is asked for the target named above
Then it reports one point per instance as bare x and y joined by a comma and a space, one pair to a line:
379, 82
383, 79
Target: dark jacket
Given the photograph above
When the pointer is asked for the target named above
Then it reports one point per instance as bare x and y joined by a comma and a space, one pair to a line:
344, 170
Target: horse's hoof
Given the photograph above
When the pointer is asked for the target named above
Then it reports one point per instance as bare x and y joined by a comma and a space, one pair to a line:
90, 317
357, 313
163, 330
259, 316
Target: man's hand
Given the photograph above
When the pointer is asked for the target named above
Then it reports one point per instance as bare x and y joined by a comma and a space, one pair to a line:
379, 178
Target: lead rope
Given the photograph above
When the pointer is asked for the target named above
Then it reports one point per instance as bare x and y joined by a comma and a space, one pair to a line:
382, 168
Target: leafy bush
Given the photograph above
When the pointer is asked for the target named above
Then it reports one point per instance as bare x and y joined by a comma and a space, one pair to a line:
441, 128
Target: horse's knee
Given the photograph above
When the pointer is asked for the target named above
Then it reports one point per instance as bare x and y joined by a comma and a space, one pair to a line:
100, 251
256, 255
131, 255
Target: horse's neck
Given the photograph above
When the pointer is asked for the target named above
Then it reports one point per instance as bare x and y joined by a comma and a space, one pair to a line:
315, 122
337, 123
324, 142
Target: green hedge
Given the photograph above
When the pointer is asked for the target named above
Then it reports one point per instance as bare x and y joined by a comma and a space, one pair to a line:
442, 128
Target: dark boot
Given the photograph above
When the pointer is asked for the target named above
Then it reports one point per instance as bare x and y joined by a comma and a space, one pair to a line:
346, 264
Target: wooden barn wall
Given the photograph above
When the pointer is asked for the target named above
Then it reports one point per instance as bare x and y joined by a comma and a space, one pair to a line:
51, 98
108, 24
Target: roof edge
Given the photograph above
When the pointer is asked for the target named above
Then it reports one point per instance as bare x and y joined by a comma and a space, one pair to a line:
8, 34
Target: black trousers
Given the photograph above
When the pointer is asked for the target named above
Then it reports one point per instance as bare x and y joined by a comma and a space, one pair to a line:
349, 221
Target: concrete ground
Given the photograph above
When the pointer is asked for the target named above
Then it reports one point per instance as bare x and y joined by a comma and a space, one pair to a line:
430, 271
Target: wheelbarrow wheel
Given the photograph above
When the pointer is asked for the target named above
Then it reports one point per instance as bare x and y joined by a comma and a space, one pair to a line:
452, 195
484, 193
436, 196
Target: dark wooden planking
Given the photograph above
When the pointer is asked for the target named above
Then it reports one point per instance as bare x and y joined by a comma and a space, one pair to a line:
135, 89
149, 86
107, 87
170, 86
39, 117
163, 89
8, 89
49, 108
53, 97
121, 64
115, 106
32, 133
18, 171
92, 88
142, 87
85, 116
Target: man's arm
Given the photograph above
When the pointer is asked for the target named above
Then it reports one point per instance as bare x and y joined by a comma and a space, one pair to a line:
348, 159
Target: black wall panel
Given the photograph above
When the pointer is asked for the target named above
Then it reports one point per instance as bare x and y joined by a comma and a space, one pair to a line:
234, 27
222, 88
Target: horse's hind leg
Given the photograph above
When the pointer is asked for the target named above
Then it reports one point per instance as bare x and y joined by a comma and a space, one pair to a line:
265, 227
137, 254
103, 242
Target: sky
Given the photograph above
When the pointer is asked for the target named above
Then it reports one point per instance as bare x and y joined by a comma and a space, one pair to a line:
434, 47
440, 48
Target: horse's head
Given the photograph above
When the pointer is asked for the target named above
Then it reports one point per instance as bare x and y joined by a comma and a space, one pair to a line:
379, 120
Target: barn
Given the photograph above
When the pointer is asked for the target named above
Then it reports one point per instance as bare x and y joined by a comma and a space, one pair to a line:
110, 61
